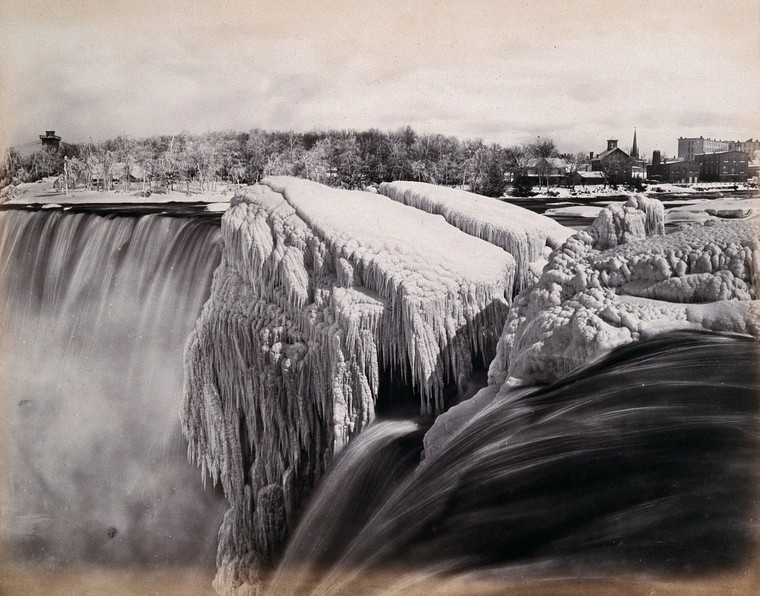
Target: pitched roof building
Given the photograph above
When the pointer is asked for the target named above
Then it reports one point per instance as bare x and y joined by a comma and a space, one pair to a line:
548, 170
617, 165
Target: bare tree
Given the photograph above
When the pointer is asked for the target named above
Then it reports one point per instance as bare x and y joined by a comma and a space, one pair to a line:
543, 150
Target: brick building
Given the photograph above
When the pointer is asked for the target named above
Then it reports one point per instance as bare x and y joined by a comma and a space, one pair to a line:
723, 166
617, 165
674, 171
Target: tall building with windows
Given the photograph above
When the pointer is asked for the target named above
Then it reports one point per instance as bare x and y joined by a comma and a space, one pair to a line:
723, 166
688, 147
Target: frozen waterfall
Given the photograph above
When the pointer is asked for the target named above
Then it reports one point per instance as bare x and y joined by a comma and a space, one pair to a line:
308, 322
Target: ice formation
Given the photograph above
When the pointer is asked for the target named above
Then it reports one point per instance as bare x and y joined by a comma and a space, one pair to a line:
318, 290
620, 223
526, 235
608, 286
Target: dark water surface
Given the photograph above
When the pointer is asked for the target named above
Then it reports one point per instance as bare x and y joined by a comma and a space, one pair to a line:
643, 463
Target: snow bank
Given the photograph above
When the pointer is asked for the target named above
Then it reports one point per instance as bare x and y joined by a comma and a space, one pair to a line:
520, 232
606, 287
721, 208
318, 290
217, 207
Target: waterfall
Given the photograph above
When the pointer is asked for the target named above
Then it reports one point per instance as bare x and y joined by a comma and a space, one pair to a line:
643, 463
95, 313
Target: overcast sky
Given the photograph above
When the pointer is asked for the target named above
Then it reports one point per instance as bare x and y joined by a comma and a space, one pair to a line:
579, 72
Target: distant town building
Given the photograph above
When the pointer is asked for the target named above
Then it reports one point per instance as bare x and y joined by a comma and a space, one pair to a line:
673, 171
586, 178
749, 147
723, 166
50, 140
688, 147
116, 172
617, 165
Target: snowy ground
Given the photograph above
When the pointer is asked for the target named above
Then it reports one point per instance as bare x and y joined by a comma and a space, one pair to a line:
697, 208
585, 211
580, 193
725, 207
574, 208
693, 211
44, 193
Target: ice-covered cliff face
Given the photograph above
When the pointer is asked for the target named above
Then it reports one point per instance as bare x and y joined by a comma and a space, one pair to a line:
609, 285
527, 236
318, 291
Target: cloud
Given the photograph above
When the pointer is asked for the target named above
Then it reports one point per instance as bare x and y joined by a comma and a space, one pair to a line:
504, 72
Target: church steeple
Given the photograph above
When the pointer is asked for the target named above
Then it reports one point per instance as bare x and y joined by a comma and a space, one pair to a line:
635, 148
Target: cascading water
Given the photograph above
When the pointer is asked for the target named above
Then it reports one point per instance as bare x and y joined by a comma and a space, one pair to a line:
644, 463
94, 314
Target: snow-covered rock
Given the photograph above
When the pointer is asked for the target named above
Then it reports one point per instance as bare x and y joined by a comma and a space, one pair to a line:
522, 233
609, 286
318, 290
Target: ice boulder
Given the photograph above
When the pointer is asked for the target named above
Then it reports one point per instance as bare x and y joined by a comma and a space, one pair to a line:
635, 219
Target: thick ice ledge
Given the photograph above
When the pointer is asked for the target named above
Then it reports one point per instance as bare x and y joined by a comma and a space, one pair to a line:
318, 290
522, 233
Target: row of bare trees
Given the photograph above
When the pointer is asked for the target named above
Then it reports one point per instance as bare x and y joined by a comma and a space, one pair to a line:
342, 158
